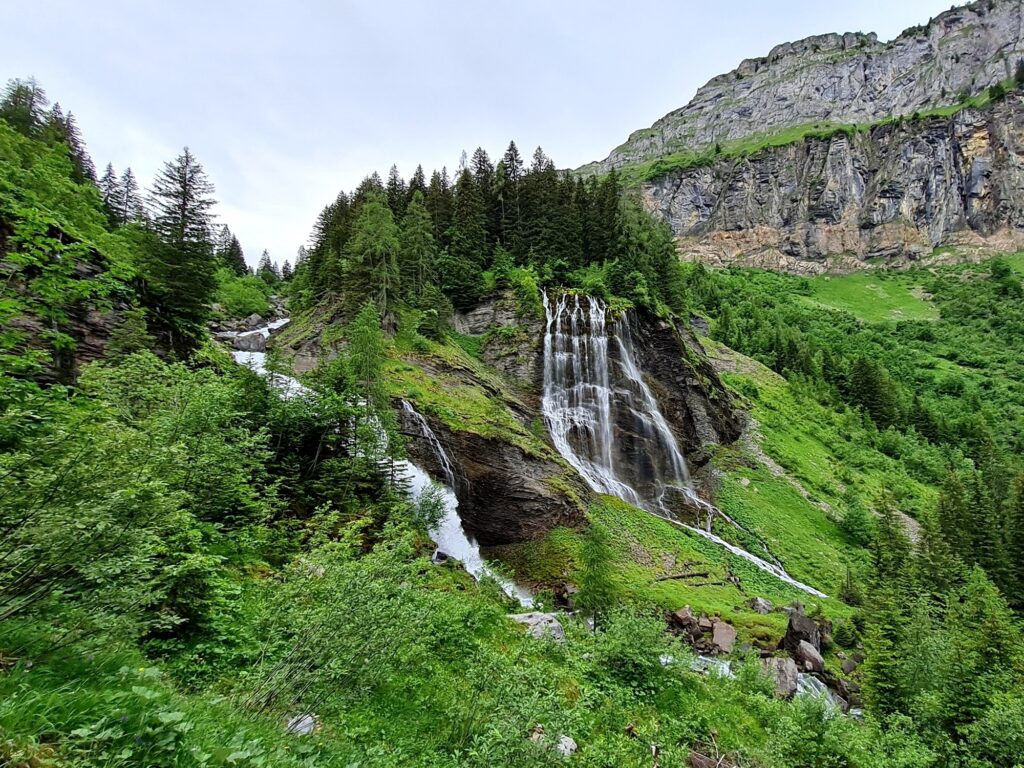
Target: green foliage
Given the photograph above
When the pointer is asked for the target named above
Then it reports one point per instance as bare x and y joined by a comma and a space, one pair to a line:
241, 296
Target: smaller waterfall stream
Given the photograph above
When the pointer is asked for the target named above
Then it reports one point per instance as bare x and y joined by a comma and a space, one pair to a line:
449, 535
610, 428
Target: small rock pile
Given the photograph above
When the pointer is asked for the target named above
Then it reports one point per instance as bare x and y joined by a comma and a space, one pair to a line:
707, 634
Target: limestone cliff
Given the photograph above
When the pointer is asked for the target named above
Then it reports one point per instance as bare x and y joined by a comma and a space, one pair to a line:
890, 194
848, 78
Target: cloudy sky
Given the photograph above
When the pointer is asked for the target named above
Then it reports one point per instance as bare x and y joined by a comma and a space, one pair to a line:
286, 103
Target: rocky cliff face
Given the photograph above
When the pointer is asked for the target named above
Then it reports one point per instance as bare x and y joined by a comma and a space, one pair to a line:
850, 78
891, 194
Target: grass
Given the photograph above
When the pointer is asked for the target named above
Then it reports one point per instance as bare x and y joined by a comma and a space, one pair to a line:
874, 296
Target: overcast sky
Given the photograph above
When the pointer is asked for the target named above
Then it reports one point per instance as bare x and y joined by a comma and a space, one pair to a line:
286, 103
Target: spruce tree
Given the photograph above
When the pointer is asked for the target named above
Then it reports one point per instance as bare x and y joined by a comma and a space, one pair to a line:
1015, 540
266, 271
468, 232
286, 271
508, 188
440, 202
371, 264
418, 183
417, 249
396, 192
234, 257
24, 106
110, 190
129, 206
954, 517
181, 269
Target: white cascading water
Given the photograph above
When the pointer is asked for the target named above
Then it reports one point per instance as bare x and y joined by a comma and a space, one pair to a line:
582, 401
448, 535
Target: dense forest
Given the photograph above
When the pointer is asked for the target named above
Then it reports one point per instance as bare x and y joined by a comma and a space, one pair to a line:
190, 558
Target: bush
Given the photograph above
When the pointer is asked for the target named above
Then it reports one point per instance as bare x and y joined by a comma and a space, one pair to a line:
242, 296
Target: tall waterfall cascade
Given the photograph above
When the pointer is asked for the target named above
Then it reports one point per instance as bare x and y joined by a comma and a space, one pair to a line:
605, 421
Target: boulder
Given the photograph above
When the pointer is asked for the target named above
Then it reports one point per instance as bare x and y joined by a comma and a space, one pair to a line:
760, 605
685, 620
253, 321
250, 342
723, 637
849, 665
541, 625
566, 746
705, 624
785, 674
808, 657
801, 628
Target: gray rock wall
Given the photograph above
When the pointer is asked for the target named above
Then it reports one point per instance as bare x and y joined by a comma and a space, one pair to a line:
849, 78
889, 195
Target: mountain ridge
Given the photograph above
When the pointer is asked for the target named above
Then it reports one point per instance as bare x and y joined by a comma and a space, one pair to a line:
848, 78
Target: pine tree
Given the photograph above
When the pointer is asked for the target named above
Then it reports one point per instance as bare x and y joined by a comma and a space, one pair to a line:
1015, 540
181, 270
129, 206
468, 232
266, 271
371, 266
890, 549
110, 190
508, 187
396, 192
234, 257
418, 183
286, 271
482, 168
440, 202
24, 106
954, 517
936, 569
417, 251
84, 170
130, 336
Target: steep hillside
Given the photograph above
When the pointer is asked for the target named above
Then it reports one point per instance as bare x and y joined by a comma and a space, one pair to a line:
849, 78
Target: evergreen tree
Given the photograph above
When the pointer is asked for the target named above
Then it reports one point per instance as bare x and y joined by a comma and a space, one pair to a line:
482, 168
24, 106
418, 183
890, 550
266, 271
936, 569
129, 205
954, 517
508, 181
130, 336
234, 257
440, 202
1015, 541
181, 269
417, 251
84, 170
371, 266
286, 271
468, 232
110, 190
397, 193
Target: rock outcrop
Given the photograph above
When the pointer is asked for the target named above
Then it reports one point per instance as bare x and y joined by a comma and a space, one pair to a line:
841, 78
890, 195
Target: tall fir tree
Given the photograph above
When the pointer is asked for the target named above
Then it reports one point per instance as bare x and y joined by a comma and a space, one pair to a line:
371, 265
234, 257
418, 183
417, 251
129, 205
110, 191
266, 270
180, 270
23, 106
397, 193
468, 232
508, 188
440, 203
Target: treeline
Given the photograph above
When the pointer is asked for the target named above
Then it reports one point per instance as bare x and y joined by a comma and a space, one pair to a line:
428, 243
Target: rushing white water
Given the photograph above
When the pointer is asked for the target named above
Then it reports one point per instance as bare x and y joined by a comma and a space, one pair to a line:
583, 402
257, 361
449, 535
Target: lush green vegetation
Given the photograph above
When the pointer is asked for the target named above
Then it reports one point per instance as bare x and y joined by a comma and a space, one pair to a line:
189, 560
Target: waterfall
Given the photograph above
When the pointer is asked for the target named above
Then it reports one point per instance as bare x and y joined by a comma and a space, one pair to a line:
448, 535
606, 422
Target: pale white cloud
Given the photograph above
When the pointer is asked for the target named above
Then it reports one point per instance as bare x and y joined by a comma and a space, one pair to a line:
286, 103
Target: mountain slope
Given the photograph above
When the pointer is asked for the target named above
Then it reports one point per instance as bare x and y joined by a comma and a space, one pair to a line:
850, 78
